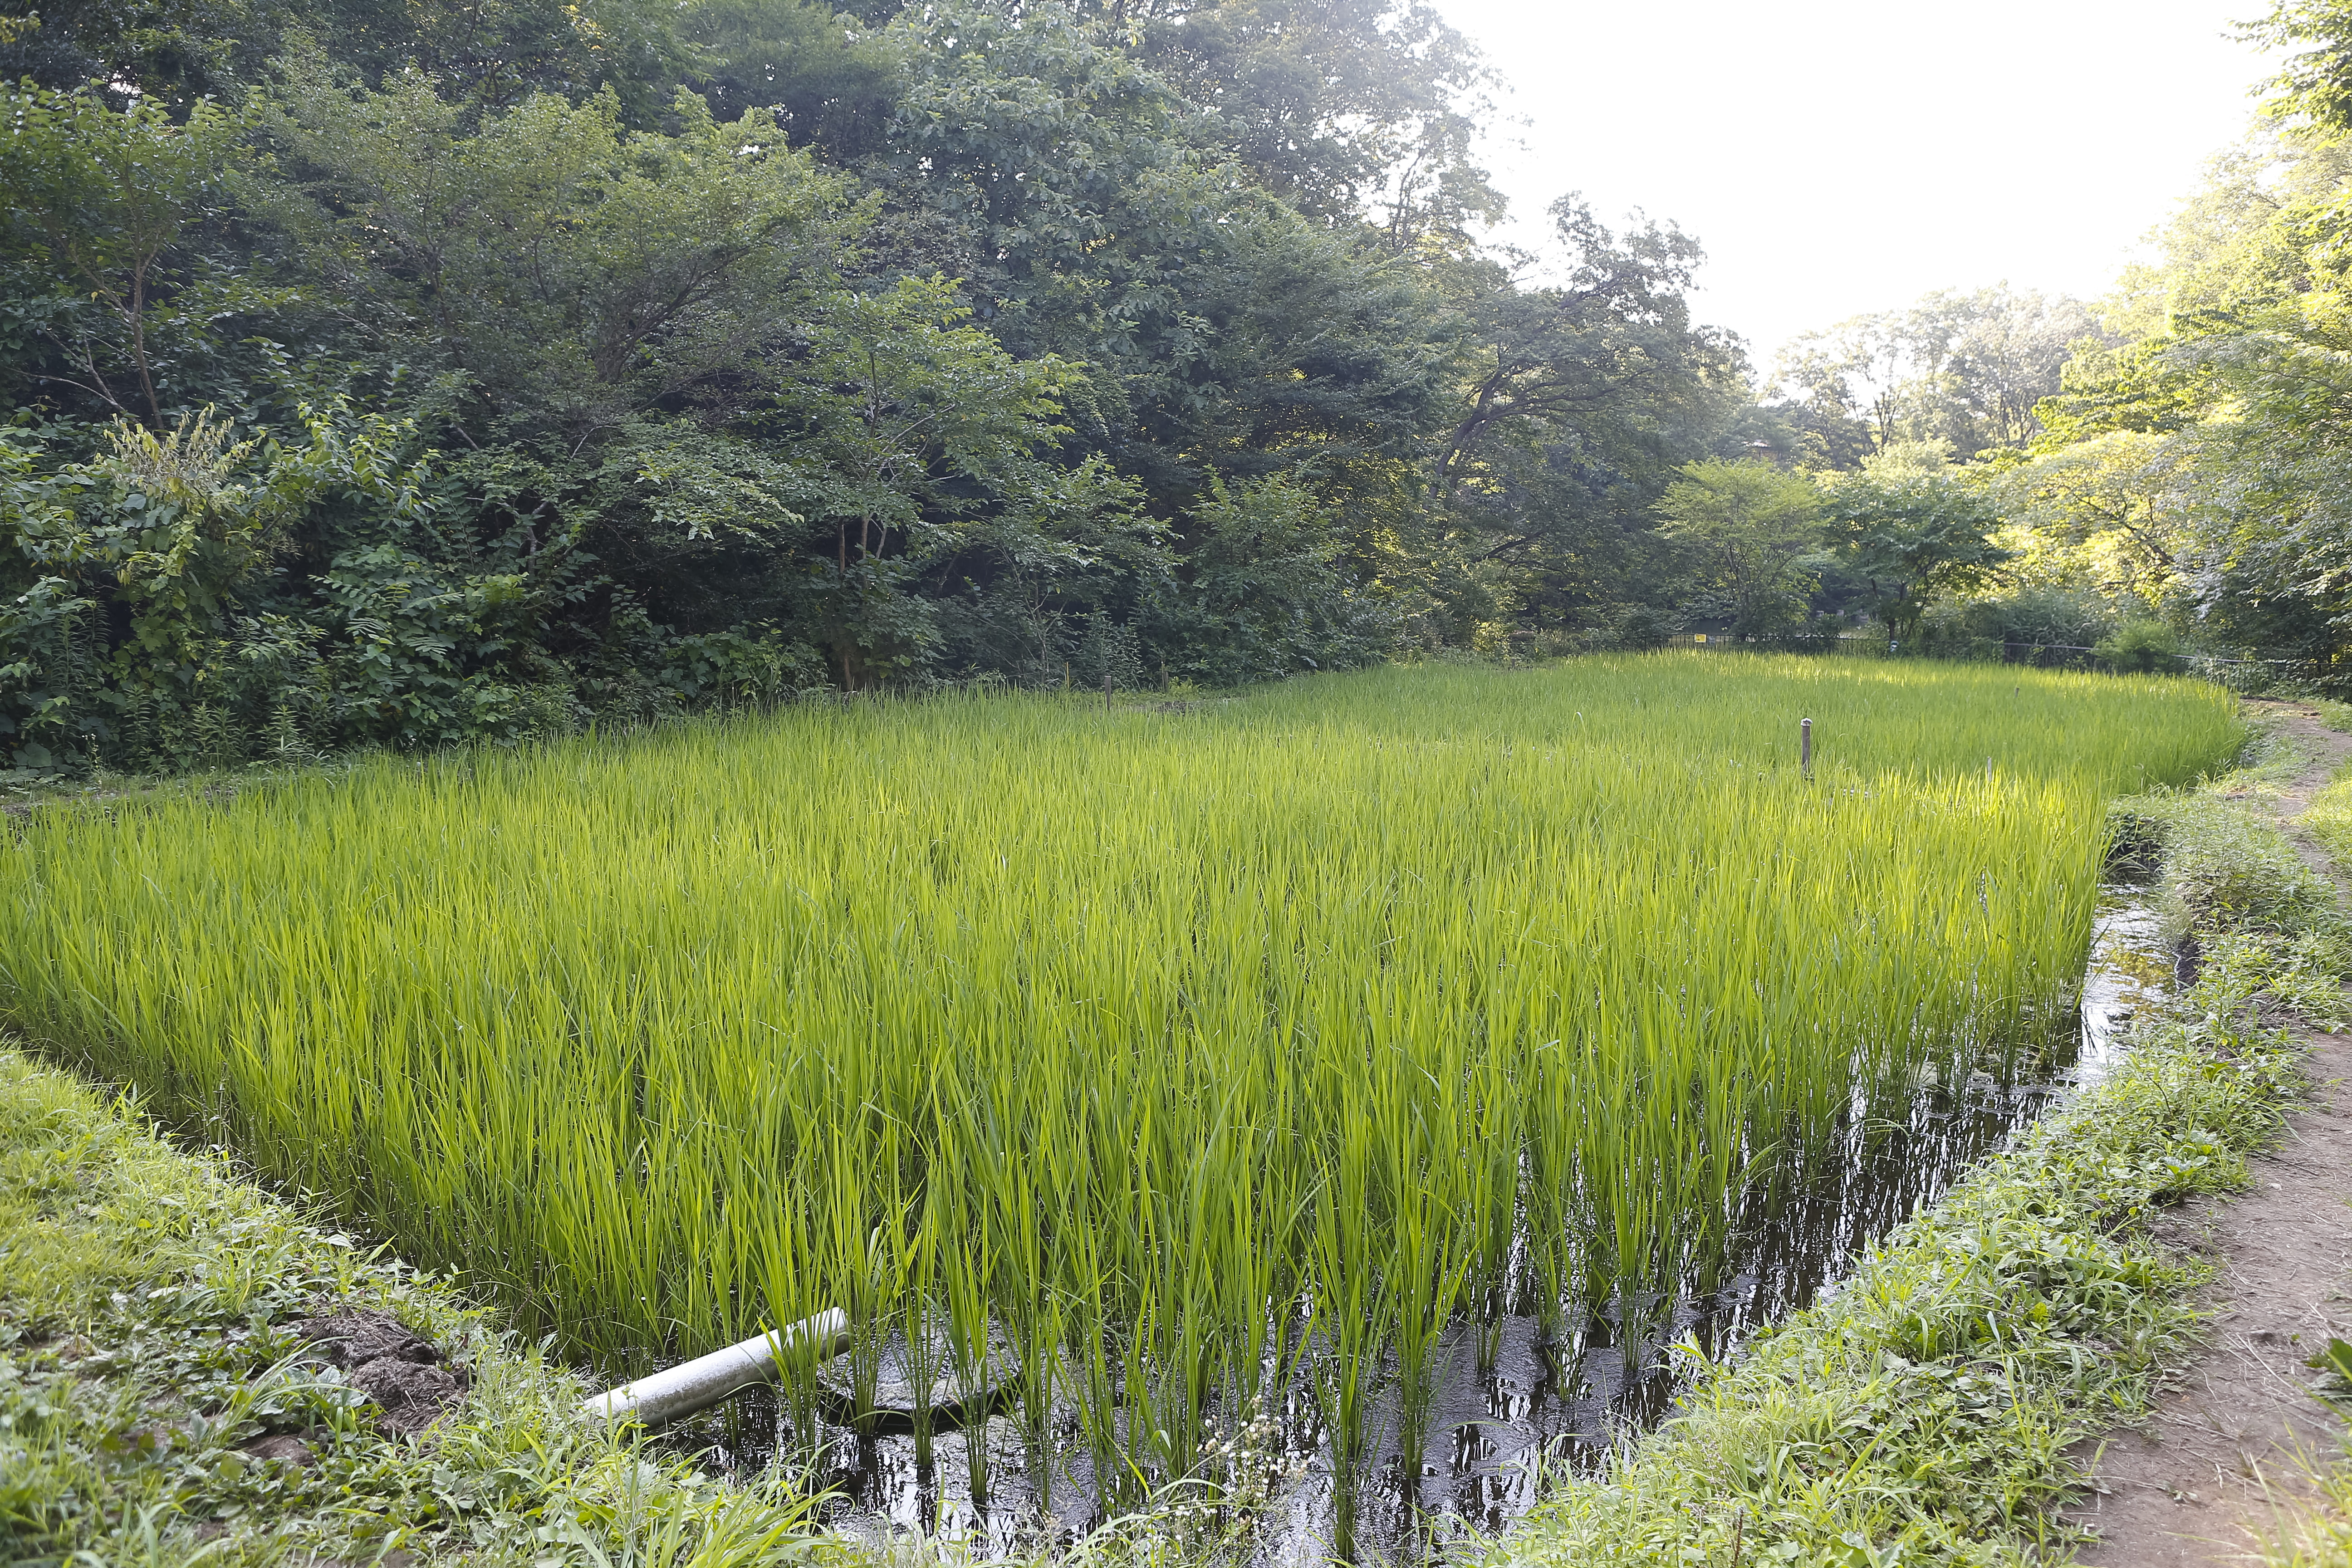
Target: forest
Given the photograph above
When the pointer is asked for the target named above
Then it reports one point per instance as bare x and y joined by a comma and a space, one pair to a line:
413, 374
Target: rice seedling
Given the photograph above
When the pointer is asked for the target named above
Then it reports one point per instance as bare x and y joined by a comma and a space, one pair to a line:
1149, 1066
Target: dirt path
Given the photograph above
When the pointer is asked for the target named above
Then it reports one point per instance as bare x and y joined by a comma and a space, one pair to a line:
2235, 1432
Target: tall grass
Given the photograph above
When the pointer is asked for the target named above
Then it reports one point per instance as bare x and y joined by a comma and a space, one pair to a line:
1156, 1062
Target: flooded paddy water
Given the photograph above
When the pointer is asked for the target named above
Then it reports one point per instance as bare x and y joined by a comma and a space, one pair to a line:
1531, 1401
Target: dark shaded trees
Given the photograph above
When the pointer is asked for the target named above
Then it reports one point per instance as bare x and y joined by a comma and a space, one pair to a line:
745, 346
1578, 401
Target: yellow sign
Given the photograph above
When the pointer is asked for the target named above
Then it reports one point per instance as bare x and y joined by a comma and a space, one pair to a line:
1701, 637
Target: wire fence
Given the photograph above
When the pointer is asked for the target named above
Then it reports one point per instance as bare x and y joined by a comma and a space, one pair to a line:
2237, 671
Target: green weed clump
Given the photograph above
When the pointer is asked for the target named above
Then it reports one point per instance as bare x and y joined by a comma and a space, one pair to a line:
2228, 868
2329, 818
1156, 1062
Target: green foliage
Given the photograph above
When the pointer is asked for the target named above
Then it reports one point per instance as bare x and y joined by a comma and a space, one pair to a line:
2142, 645
177, 535
2316, 81
2193, 470
1337, 108
2027, 621
906, 347
833, 84
2104, 513
1267, 597
1969, 370
2334, 1361
1748, 525
2223, 869
99, 199
2329, 818
1911, 531
2141, 387
1569, 426
574, 272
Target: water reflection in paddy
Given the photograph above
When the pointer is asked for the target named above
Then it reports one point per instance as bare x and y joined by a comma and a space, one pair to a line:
1613, 1370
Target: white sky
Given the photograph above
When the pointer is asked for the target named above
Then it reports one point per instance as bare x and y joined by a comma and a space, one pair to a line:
1838, 156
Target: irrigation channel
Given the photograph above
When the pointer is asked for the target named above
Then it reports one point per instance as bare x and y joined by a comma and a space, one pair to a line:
1492, 1426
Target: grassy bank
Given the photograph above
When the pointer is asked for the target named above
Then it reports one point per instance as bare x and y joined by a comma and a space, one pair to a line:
1923, 1412
158, 1406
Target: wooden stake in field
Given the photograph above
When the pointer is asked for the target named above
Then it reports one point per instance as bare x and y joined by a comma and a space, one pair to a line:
1805, 746
1105, 690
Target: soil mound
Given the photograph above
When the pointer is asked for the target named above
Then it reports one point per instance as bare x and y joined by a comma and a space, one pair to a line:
394, 1366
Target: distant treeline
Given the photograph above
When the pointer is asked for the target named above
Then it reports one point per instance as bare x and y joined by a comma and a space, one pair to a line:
421, 372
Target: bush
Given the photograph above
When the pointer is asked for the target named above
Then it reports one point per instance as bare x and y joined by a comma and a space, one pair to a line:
2033, 618
2141, 644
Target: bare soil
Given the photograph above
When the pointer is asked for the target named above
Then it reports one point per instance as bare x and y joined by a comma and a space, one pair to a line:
389, 1362
2235, 1435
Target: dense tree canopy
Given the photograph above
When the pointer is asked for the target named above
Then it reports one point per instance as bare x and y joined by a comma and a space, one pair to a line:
410, 373
1966, 369
513, 364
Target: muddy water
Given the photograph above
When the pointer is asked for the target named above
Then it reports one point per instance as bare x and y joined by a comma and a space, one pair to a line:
1491, 1427
2131, 962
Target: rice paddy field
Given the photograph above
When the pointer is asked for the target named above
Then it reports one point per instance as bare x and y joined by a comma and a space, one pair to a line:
1156, 1069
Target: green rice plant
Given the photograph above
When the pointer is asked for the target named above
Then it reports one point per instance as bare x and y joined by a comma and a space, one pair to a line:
1155, 1065
1356, 1314
967, 1286
1936, 1407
